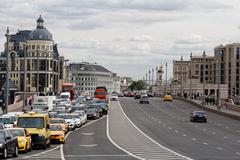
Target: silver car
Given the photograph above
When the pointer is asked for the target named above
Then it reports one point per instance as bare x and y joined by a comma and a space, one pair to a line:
144, 99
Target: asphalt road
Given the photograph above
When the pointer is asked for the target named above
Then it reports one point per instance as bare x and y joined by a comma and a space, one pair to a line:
91, 143
168, 124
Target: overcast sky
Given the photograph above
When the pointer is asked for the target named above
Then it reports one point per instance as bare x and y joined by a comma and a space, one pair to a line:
128, 37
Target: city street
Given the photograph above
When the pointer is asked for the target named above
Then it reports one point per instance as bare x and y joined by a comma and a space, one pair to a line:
168, 123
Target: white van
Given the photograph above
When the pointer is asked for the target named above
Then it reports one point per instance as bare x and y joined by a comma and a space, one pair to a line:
65, 96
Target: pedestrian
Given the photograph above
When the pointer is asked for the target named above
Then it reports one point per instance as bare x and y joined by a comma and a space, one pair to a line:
214, 101
30, 102
3, 108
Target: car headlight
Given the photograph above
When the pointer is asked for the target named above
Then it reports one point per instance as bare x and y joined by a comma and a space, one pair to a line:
1, 145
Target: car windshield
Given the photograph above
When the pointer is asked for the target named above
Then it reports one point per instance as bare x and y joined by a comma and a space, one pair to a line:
64, 96
17, 132
75, 116
199, 113
54, 121
55, 128
5, 120
2, 137
31, 122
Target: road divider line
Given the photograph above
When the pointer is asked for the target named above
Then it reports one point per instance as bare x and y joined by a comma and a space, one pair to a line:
150, 137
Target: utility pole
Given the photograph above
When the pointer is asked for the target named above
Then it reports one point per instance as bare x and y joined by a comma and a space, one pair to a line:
25, 78
166, 80
46, 67
7, 70
146, 78
149, 76
204, 81
181, 75
190, 75
37, 73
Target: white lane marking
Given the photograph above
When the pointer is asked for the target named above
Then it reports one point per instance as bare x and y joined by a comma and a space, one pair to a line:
61, 147
238, 153
176, 131
205, 143
88, 145
150, 137
219, 148
213, 132
160, 122
196, 126
37, 154
88, 134
204, 129
225, 137
164, 125
238, 141
110, 139
184, 135
194, 139
169, 128
218, 124
96, 155
227, 127
238, 131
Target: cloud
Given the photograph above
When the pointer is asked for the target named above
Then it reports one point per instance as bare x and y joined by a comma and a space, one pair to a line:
141, 38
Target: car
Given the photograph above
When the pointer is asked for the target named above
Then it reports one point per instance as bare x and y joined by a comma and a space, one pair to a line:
79, 122
8, 144
61, 122
198, 116
12, 116
57, 133
167, 98
69, 120
103, 104
7, 121
137, 96
52, 114
82, 115
120, 94
150, 94
2, 126
23, 137
92, 113
97, 107
114, 97
59, 110
144, 99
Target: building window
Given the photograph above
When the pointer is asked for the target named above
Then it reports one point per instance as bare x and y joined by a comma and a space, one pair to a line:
38, 46
43, 47
237, 53
33, 46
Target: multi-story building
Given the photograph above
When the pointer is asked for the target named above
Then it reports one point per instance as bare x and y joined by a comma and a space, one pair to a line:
36, 53
227, 65
180, 71
88, 76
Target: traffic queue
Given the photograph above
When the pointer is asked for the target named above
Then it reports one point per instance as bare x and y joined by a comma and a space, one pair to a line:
41, 126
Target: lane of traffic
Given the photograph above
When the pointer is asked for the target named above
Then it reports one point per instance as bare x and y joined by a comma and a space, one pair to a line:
175, 133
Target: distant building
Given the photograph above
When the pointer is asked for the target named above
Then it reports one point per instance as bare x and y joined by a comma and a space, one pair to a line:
227, 59
88, 76
44, 66
180, 71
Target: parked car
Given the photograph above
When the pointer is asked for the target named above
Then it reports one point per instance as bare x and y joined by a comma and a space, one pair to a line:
23, 137
57, 133
120, 94
144, 99
137, 96
167, 98
198, 116
8, 144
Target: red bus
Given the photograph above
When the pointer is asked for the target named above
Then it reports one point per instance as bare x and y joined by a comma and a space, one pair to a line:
100, 92
71, 88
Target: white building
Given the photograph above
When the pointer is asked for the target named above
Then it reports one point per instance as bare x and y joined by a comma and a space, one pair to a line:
88, 76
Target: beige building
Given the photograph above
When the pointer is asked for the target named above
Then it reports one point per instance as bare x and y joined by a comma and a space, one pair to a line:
180, 71
227, 59
44, 66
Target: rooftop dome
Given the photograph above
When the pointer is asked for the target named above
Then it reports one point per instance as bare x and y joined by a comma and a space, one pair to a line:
40, 33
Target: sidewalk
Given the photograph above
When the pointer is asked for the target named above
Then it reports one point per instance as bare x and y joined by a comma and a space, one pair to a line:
214, 108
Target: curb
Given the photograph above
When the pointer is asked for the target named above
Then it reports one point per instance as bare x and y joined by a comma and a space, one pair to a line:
229, 115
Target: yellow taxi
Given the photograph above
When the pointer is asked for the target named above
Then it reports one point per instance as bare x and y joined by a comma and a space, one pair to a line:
167, 98
61, 122
57, 133
23, 137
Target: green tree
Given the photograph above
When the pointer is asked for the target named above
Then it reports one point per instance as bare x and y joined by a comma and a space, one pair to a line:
137, 85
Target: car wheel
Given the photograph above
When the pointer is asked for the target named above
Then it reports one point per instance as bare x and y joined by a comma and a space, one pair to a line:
26, 149
5, 154
205, 121
16, 152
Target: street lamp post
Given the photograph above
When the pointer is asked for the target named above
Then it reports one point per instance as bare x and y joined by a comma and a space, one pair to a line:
191, 75
37, 89
152, 76
149, 77
66, 69
25, 78
7, 70
166, 80
181, 75
204, 80
46, 66
219, 79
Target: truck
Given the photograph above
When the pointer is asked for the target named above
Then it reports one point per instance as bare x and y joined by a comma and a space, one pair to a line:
71, 88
